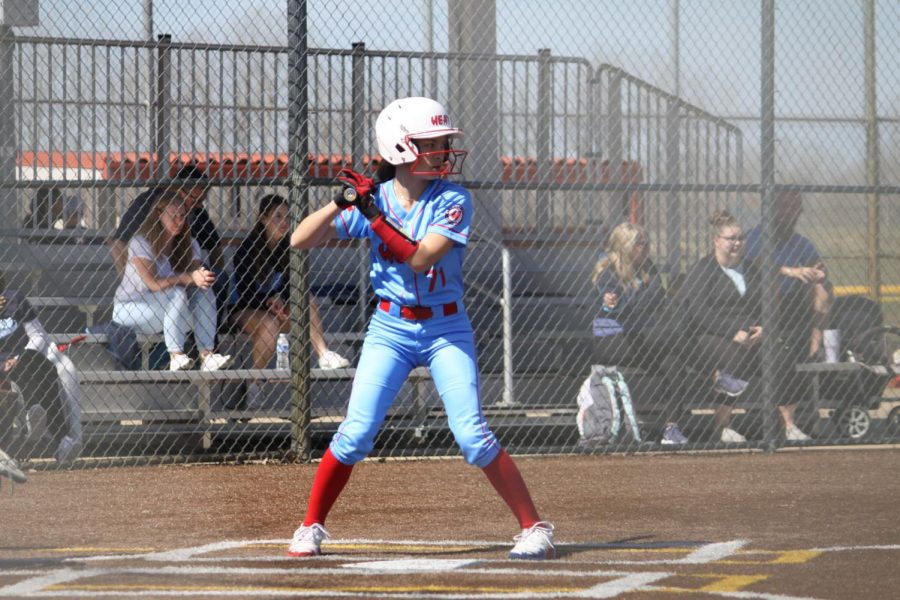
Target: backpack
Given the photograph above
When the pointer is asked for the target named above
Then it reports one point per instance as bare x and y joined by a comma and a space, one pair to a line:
603, 400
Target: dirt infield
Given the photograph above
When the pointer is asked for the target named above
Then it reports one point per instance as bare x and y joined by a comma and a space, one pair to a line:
811, 524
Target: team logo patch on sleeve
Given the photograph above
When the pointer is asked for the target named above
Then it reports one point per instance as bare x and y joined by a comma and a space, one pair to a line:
455, 215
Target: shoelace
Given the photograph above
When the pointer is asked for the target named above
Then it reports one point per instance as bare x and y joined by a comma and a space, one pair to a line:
305, 534
541, 527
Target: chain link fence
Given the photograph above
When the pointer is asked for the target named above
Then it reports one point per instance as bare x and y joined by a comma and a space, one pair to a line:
600, 145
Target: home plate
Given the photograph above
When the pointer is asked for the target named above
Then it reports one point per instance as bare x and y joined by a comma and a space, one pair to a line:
430, 565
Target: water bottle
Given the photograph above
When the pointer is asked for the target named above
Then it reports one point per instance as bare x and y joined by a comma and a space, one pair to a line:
282, 360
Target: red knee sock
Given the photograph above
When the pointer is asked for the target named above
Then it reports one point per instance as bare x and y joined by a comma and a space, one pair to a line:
329, 481
506, 479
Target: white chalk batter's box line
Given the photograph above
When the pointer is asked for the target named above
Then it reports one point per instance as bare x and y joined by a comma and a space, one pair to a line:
698, 553
53, 583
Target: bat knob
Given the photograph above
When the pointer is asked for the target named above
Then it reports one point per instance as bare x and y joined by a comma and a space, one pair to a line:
350, 194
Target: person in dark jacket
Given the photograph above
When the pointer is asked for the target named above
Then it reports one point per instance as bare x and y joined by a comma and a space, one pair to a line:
720, 307
630, 291
804, 292
631, 327
260, 304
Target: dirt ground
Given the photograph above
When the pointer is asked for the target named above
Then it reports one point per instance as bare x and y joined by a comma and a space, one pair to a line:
810, 523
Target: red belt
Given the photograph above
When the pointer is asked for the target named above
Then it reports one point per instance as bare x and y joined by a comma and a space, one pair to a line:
418, 313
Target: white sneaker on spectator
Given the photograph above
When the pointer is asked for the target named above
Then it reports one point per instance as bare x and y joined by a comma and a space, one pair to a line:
307, 540
216, 362
795, 434
730, 436
10, 468
180, 362
332, 360
534, 543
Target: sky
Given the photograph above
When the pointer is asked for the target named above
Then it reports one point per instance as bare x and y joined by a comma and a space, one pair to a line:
819, 49
819, 42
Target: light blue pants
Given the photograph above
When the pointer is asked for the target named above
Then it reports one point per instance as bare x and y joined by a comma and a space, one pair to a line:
393, 347
174, 312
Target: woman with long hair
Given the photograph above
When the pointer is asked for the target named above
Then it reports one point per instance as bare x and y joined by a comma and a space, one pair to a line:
630, 328
260, 306
165, 287
629, 285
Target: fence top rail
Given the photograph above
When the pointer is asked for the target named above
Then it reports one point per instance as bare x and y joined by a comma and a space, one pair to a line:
345, 52
58, 41
681, 103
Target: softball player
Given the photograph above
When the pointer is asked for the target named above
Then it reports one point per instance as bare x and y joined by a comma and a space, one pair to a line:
418, 225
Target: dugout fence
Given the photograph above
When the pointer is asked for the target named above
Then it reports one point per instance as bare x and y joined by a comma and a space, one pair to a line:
581, 149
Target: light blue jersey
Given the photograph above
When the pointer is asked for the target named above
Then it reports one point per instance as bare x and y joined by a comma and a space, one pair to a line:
443, 341
444, 208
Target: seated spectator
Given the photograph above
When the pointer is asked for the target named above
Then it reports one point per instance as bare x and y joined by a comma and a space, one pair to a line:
165, 287
49, 393
805, 294
720, 303
72, 216
192, 187
632, 298
260, 307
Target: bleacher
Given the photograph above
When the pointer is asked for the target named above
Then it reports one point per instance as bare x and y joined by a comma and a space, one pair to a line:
551, 352
551, 356
71, 295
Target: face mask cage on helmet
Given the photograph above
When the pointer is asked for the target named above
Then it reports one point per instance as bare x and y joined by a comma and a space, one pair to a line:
450, 160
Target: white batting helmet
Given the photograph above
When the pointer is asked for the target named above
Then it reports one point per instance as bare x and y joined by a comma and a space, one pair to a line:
407, 119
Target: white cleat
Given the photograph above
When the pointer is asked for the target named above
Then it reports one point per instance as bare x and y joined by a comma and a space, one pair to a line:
307, 541
534, 543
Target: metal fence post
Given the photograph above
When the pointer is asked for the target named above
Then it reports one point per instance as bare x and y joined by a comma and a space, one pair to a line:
544, 128
162, 106
614, 144
509, 397
8, 144
767, 181
672, 167
358, 144
358, 105
298, 194
873, 174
